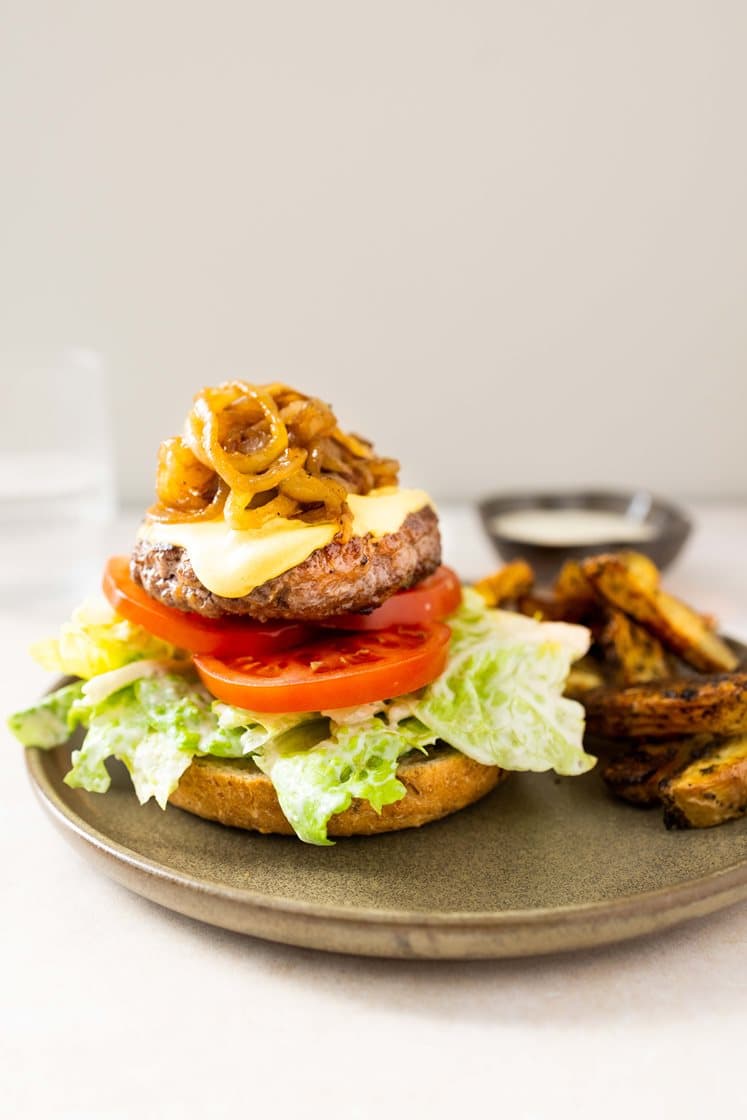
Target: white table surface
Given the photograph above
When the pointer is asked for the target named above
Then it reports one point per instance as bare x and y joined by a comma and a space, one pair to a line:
114, 1007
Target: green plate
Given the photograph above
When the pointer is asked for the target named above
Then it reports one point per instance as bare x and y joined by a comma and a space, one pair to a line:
540, 865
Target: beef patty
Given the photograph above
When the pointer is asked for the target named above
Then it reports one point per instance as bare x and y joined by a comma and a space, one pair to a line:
355, 576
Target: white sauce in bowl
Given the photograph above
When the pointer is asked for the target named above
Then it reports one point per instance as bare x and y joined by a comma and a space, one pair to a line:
571, 527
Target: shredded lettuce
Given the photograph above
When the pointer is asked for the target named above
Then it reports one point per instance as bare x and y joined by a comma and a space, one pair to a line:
97, 640
256, 727
46, 723
155, 726
316, 779
319, 762
103, 686
500, 699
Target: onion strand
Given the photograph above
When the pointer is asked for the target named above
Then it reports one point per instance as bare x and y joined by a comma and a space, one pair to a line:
253, 452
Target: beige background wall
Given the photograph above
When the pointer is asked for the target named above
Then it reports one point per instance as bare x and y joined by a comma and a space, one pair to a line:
508, 240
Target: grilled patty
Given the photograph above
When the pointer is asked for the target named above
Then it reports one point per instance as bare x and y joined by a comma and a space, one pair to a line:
355, 576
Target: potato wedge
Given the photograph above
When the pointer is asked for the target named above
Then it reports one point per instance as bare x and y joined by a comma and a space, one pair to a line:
689, 706
625, 581
545, 606
509, 582
642, 569
637, 655
636, 775
572, 587
709, 791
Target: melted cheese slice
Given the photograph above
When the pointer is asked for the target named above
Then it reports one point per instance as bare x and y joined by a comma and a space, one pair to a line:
232, 562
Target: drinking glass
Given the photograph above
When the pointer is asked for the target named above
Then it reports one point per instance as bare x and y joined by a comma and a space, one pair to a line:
56, 477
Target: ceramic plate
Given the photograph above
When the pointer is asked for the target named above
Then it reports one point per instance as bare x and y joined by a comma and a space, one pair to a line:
542, 864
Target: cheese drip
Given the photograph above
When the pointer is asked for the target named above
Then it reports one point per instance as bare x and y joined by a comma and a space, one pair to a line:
232, 562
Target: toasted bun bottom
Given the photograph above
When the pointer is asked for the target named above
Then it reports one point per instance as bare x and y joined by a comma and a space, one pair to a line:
236, 793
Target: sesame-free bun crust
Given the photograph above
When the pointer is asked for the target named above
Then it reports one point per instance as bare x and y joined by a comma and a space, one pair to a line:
238, 794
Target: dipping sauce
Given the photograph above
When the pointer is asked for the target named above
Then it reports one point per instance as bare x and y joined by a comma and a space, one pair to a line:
571, 527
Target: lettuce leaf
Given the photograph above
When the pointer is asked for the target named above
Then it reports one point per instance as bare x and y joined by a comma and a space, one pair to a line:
155, 726
256, 727
46, 724
500, 699
97, 640
316, 777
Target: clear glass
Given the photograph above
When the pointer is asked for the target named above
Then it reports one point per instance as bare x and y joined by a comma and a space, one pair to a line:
56, 476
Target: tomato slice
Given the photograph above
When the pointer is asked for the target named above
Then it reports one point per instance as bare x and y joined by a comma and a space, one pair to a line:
222, 637
434, 598
340, 670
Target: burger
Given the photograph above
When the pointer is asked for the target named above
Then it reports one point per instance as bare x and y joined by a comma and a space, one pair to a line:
284, 651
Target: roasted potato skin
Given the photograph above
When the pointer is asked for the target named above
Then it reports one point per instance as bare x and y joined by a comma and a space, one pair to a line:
625, 580
715, 704
638, 656
701, 781
636, 775
509, 582
665, 697
544, 606
711, 789
574, 591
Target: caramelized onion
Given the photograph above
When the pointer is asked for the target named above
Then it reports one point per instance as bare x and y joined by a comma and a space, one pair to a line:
254, 452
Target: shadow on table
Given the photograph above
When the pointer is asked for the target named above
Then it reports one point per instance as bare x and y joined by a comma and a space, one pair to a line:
658, 979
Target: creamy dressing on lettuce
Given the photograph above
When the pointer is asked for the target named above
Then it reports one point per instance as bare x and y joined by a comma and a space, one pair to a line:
499, 700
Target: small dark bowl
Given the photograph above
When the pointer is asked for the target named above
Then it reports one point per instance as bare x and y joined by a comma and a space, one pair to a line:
671, 524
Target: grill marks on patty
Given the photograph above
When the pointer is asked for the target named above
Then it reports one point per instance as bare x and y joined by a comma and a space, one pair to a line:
355, 576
